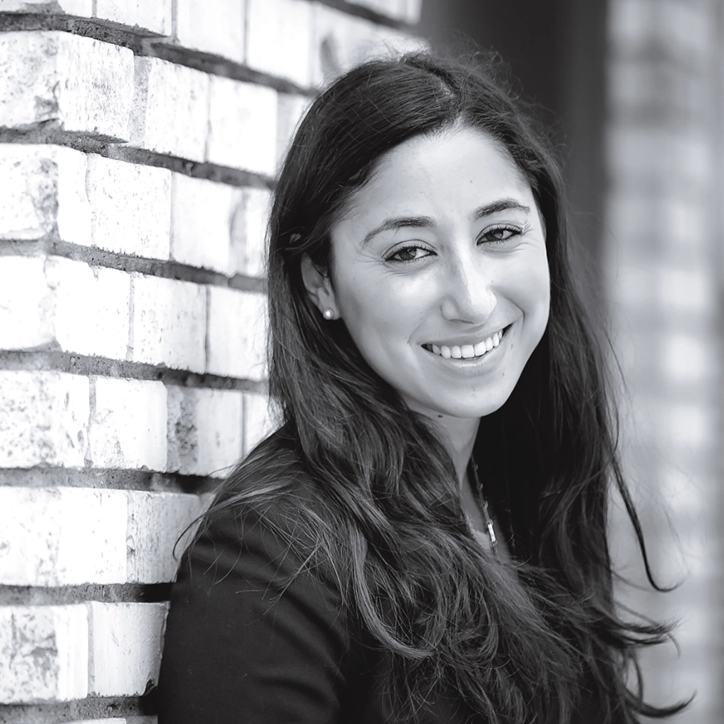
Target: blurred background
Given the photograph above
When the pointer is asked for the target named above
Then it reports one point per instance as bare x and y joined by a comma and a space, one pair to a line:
633, 91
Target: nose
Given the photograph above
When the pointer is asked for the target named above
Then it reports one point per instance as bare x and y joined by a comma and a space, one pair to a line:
468, 295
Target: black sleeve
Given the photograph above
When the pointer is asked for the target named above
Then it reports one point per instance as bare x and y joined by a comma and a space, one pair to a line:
247, 640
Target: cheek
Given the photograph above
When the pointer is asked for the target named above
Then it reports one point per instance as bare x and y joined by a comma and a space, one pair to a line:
381, 306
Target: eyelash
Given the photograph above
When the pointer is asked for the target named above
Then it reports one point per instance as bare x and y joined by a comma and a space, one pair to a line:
514, 231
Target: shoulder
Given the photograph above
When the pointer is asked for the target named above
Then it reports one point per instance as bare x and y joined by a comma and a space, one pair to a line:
268, 514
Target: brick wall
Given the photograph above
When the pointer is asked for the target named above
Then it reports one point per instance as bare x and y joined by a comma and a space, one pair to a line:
665, 277
138, 146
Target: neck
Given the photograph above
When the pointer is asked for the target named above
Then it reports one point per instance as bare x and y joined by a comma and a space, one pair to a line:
459, 436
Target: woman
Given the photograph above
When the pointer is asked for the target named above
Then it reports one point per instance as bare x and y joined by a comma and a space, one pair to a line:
424, 538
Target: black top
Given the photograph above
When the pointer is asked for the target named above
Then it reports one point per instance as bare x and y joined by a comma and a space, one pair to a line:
249, 638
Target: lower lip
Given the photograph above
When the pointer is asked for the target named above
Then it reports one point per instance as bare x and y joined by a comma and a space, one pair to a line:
472, 365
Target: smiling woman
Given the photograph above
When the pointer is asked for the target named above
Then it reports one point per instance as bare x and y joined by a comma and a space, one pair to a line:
446, 234
424, 537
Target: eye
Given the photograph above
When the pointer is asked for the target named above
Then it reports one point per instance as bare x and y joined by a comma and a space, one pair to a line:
499, 234
408, 254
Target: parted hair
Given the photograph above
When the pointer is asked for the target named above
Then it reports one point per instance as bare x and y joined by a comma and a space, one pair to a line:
534, 639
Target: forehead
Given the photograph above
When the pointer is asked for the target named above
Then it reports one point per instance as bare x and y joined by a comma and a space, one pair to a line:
445, 170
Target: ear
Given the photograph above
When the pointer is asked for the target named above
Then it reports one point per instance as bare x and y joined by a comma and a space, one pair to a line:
319, 288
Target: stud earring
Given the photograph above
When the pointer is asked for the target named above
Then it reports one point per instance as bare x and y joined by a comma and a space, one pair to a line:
328, 314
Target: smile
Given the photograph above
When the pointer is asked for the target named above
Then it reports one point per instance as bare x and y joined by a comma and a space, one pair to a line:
467, 351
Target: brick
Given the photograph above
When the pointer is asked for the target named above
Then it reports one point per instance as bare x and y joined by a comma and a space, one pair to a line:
168, 323
125, 647
259, 420
397, 9
341, 41
688, 425
128, 424
242, 126
220, 32
290, 110
66, 304
43, 654
249, 232
115, 720
201, 224
204, 430
414, 11
237, 334
79, 8
131, 207
154, 17
690, 292
688, 359
155, 522
79, 84
44, 194
43, 419
170, 111
62, 536
24, 302
279, 33
91, 310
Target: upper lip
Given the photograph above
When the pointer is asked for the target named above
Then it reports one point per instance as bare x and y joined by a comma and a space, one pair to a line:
468, 339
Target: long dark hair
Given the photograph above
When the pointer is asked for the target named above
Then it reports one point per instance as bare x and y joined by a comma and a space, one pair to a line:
529, 641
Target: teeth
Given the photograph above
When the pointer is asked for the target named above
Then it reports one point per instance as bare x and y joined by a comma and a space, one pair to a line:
468, 351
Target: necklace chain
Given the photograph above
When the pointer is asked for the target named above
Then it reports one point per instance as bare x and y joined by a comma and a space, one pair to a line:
489, 526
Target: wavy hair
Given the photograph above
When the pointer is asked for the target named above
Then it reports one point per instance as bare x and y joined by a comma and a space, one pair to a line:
533, 640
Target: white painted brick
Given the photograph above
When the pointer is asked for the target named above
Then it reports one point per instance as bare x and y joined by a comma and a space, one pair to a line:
64, 303
414, 11
125, 647
204, 430
168, 323
201, 224
242, 125
115, 720
82, 85
397, 9
220, 31
687, 291
140, 14
393, 43
91, 308
79, 8
689, 425
43, 654
25, 303
62, 536
259, 420
689, 359
43, 419
237, 333
170, 112
291, 108
131, 207
43, 193
279, 34
341, 41
128, 424
155, 522
249, 232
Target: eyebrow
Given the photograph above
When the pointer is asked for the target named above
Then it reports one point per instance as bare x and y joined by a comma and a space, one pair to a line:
425, 222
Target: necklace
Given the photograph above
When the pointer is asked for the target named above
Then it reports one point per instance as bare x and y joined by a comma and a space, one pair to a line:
489, 527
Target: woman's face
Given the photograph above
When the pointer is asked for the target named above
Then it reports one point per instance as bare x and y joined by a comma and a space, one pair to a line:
440, 273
